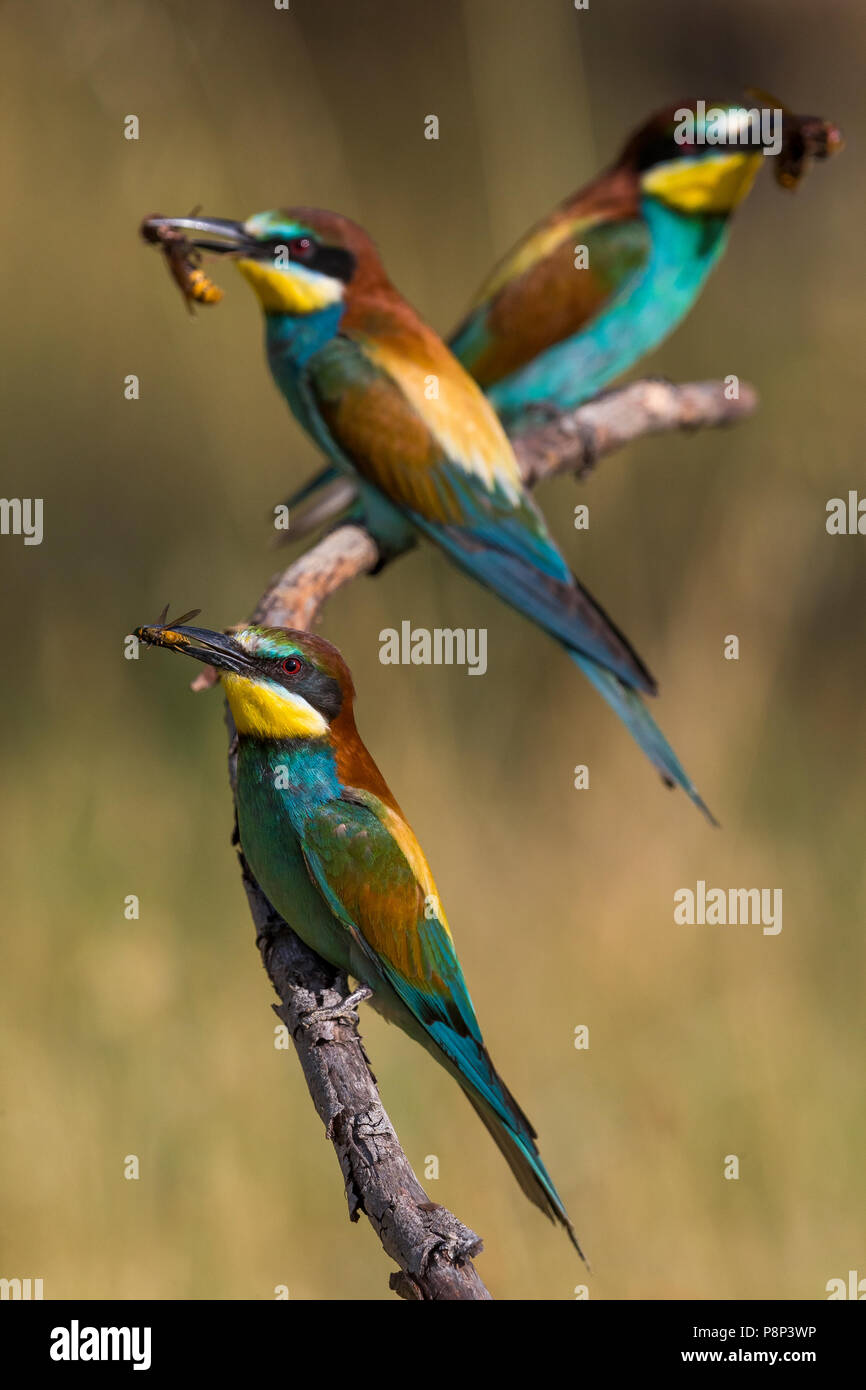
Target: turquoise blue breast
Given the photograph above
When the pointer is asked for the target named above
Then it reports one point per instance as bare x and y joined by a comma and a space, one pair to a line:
279, 785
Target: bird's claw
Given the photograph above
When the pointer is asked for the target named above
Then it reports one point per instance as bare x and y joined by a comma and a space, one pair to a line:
344, 1012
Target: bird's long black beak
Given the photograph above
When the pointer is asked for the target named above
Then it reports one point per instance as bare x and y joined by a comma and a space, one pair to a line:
215, 234
214, 648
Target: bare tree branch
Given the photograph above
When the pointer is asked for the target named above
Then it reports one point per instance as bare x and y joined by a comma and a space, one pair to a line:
575, 441
433, 1250
295, 596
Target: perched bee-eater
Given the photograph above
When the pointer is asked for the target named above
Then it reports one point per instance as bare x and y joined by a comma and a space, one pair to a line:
610, 272
334, 854
391, 407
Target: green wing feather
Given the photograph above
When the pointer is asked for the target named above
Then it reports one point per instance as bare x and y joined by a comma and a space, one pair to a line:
454, 473
368, 866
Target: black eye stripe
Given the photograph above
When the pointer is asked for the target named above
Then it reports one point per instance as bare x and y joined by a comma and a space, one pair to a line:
662, 148
334, 261
321, 691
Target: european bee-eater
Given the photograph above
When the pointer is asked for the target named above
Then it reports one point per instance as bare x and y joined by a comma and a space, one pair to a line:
391, 407
334, 854
612, 270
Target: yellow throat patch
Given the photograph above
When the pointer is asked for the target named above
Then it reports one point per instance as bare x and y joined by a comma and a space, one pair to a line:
263, 709
704, 185
291, 290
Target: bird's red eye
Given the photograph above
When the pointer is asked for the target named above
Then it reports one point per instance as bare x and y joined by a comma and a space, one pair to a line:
301, 248
292, 665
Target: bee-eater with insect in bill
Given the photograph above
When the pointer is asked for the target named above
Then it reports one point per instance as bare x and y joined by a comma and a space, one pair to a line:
611, 271
334, 854
394, 411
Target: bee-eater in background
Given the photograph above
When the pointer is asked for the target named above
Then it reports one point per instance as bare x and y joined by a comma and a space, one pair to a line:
334, 854
392, 409
610, 272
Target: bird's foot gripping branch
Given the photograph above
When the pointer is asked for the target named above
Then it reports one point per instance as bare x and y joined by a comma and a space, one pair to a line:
345, 1011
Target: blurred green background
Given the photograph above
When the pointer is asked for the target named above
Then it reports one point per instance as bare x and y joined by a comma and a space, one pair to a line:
155, 1037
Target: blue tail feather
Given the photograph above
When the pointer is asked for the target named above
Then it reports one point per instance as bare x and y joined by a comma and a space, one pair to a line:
518, 1148
562, 607
630, 708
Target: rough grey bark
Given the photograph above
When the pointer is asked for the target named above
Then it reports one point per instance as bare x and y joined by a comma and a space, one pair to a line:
434, 1251
432, 1248
575, 441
